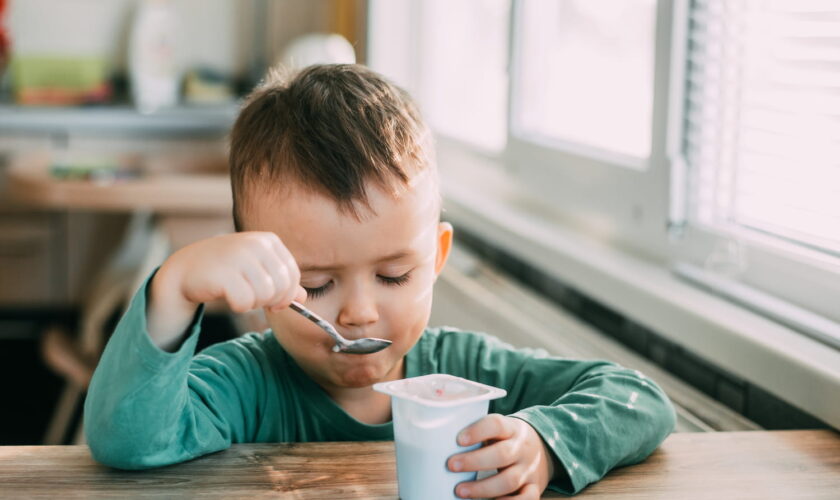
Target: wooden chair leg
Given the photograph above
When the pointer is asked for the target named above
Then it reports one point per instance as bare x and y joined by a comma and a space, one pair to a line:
79, 438
63, 414
60, 353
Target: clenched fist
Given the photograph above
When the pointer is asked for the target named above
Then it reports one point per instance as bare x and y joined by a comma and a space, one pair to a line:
248, 270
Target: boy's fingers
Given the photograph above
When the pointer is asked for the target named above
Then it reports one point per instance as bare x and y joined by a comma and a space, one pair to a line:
504, 483
261, 282
291, 272
493, 426
291, 266
282, 285
292, 288
273, 266
286, 281
285, 255
298, 294
238, 294
494, 456
291, 285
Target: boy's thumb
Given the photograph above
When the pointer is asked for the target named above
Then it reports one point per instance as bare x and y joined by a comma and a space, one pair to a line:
301, 294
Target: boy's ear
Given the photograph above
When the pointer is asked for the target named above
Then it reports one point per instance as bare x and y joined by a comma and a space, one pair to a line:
445, 233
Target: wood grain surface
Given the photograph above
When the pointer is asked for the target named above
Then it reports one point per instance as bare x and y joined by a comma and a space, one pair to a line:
748, 465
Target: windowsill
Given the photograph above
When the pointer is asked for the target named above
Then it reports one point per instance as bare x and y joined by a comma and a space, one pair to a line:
484, 198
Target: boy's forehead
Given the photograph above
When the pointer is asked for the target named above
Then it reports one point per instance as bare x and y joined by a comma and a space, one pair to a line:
319, 233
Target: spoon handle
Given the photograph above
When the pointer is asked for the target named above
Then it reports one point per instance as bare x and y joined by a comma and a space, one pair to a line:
324, 324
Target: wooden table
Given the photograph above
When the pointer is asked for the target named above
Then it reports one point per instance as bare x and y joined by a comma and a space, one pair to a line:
748, 465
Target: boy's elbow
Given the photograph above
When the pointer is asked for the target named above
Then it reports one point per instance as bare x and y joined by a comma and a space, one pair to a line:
120, 453
661, 416
665, 414
654, 407
657, 404
115, 455
134, 448
670, 416
124, 450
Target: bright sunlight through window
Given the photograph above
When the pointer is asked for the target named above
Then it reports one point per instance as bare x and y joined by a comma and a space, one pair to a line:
585, 73
463, 81
763, 118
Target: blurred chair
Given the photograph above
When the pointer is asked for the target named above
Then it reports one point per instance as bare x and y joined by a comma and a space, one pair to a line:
183, 198
74, 355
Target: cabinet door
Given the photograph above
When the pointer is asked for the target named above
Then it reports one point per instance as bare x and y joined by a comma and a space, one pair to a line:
28, 260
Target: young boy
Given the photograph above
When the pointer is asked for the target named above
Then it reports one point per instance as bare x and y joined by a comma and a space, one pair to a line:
336, 203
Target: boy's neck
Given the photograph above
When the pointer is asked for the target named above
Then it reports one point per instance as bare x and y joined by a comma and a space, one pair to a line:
363, 403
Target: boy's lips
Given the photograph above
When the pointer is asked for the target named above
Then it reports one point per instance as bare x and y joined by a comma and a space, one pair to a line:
361, 335
348, 360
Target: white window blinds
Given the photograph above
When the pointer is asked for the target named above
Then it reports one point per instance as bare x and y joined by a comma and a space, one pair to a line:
762, 118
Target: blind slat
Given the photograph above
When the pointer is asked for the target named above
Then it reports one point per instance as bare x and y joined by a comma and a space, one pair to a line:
762, 118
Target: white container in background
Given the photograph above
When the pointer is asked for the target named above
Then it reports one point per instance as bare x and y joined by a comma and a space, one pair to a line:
428, 413
152, 61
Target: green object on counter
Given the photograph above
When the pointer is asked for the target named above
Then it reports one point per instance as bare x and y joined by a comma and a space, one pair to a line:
78, 73
93, 167
68, 77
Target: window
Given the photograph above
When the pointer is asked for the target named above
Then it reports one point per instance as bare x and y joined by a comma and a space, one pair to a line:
457, 64
761, 145
727, 113
597, 155
585, 73
762, 129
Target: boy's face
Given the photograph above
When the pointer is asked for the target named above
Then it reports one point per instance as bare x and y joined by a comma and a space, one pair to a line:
369, 278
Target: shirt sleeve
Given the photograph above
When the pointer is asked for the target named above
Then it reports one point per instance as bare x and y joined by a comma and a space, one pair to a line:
593, 415
146, 407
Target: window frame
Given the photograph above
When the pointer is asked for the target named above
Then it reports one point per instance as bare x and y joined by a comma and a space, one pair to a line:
640, 206
410, 13
604, 194
786, 270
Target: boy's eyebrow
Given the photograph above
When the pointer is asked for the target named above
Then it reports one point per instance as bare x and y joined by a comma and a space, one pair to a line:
393, 256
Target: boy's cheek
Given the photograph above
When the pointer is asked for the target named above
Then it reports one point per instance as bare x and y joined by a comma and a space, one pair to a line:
418, 294
412, 310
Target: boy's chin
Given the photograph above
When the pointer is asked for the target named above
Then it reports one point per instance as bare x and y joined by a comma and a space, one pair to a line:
362, 376
354, 379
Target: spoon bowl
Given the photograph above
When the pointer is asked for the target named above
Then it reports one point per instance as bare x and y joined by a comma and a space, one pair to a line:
367, 345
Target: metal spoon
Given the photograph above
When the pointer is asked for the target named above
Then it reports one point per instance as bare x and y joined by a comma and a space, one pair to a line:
366, 345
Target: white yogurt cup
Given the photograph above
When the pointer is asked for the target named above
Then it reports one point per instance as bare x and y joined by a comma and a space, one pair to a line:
428, 413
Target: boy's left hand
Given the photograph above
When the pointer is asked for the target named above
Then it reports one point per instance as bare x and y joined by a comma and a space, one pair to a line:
525, 463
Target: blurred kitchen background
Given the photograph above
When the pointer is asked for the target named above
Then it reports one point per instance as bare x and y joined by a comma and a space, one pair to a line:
654, 182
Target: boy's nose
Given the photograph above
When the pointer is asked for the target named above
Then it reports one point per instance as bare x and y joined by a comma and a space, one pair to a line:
359, 309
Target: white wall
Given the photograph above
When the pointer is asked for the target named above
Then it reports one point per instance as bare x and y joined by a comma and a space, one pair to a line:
221, 34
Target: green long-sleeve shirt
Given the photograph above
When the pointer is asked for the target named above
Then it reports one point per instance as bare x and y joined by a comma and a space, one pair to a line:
147, 408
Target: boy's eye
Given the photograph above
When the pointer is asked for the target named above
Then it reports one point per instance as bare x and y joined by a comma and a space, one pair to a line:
314, 293
394, 280
317, 292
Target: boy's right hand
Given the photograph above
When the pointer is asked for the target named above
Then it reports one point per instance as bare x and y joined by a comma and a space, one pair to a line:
249, 270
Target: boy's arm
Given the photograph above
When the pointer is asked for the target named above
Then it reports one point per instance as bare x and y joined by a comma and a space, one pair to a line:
593, 415
146, 407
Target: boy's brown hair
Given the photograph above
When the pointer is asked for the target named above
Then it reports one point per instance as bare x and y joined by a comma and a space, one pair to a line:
328, 129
